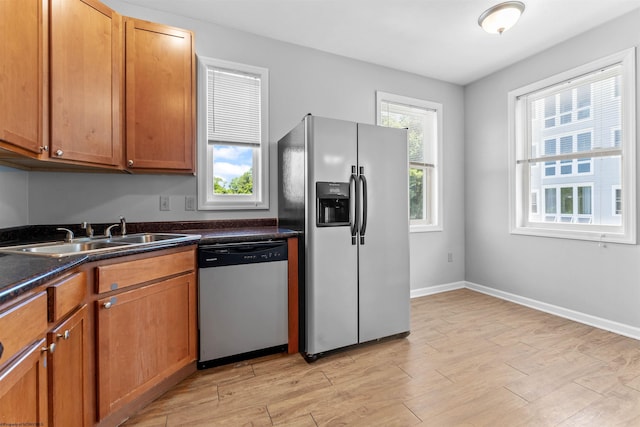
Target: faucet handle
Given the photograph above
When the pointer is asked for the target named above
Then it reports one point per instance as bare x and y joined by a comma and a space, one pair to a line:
69, 237
86, 226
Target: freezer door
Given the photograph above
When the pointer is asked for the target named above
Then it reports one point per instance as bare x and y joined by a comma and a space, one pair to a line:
384, 255
331, 260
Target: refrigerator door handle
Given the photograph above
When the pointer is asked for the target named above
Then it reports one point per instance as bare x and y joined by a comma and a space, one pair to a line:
363, 224
356, 212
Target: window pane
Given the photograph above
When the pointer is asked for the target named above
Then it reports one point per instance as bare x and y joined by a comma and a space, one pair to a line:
550, 106
566, 200
566, 144
550, 201
584, 200
566, 101
416, 193
584, 95
550, 147
584, 141
232, 169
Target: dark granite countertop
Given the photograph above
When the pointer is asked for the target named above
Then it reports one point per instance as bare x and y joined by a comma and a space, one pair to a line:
243, 234
21, 273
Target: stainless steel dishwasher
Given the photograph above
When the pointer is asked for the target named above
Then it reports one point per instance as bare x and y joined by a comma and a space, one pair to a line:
242, 301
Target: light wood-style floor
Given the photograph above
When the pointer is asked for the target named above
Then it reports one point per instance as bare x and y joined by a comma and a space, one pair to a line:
470, 360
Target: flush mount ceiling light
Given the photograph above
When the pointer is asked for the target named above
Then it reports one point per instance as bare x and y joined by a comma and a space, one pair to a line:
501, 17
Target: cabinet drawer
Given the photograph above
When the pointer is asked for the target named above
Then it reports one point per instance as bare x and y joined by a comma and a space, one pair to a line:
66, 295
130, 273
22, 325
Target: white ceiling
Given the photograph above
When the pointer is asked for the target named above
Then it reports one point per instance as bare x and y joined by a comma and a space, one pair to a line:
434, 38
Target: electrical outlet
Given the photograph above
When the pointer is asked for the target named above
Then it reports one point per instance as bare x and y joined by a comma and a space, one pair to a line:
165, 204
450, 257
190, 203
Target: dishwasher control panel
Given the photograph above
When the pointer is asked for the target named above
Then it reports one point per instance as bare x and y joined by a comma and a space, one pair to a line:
241, 253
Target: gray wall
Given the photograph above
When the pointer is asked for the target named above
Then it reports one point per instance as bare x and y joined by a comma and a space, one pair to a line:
14, 206
301, 81
576, 275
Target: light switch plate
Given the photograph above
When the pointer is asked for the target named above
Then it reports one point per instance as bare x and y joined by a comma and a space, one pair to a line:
165, 205
190, 203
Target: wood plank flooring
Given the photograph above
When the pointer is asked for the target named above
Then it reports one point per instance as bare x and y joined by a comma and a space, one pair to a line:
470, 360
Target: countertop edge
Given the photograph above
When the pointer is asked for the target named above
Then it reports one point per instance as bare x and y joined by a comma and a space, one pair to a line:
47, 269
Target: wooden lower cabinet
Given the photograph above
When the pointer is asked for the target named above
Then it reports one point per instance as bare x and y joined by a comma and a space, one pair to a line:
68, 372
144, 335
23, 388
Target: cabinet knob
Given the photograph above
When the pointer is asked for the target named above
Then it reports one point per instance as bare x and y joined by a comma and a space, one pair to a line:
107, 305
44, 148
129, 163
50, 348
65, 335
59, 153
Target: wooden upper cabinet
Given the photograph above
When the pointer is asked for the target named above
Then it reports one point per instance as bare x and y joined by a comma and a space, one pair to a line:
86, 82
160, 98
23, 76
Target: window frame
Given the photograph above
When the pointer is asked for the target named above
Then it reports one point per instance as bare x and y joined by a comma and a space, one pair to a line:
519, 181
207, 200
433, 176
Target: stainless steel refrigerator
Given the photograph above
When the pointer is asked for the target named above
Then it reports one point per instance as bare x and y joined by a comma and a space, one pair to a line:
344, 185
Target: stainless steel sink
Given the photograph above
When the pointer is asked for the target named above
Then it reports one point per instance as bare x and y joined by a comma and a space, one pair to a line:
92, 245
145, 238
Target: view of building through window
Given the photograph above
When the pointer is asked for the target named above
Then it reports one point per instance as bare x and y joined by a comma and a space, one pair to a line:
570, 128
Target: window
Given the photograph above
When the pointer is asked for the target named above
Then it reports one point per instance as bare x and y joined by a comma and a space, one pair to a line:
575, 126
233, 136
617, 200
568, 204
424, 121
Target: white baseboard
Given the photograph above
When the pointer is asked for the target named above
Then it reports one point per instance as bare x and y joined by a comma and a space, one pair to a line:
587, 319
415, 293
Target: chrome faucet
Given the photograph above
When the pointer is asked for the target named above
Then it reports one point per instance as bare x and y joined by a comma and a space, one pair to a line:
86, 226
122, 225
69, 237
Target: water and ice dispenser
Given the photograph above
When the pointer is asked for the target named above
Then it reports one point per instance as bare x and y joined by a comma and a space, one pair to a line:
332, 204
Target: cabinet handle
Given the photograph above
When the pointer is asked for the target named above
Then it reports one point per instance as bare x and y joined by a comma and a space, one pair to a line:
65, 335
107, 305
51, 348
59, 153
129, 163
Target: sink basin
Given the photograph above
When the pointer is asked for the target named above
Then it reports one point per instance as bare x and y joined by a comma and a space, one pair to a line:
84, 246
144, 238
67, 248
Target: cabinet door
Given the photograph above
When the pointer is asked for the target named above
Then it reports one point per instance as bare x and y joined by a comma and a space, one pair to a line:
23, 75
143, 336
69, 372
159, 97
86, 82
23, 389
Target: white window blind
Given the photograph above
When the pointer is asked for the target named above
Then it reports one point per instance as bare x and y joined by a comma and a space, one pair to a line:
234, 107
558, 113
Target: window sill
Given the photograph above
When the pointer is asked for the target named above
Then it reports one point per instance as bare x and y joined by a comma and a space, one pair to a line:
592, 236
232, 206
418, 228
